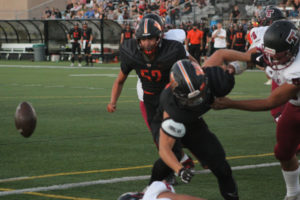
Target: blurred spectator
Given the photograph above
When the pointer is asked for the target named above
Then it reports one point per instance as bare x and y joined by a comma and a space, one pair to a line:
120, 16
194, 42
230, 34
166, 18
219, 36
90, 13
235, 14
127, 33
239, 39
47, 13
133, 9
69, 6
187, 7
153, 6
201, 3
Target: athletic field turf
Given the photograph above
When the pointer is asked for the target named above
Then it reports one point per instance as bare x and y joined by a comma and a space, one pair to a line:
80, 151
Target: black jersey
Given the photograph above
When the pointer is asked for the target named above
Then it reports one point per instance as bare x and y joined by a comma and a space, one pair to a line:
128, 34
240, 38
220, 83
86, 34
75, 34
154, 75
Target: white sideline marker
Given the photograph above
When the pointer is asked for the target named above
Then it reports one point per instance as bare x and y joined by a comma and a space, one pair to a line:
116, 180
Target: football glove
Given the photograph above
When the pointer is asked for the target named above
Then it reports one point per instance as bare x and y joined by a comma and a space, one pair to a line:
185, 175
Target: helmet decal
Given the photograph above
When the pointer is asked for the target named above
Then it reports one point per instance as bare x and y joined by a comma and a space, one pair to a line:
269, 13
292, 37
186, 76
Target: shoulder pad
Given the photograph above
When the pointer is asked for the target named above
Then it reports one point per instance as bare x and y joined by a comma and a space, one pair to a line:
172, 128
129, 52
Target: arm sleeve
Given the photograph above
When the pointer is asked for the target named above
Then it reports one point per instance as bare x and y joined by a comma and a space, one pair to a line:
125, 68
220, 81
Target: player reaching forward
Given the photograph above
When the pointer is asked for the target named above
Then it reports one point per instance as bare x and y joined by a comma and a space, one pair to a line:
281, 54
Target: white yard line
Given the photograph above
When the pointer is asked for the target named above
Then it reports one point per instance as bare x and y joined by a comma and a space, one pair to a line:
114, 180
57, 67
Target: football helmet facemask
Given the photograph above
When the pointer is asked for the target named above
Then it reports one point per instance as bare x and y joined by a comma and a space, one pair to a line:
148, 29
281, 44
188, 83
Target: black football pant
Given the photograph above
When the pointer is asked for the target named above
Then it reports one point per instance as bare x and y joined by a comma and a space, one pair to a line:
206, 147
194, 50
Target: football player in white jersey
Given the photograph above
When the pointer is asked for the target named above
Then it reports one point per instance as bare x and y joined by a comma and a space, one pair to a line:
266, 17
281, 54
158, 190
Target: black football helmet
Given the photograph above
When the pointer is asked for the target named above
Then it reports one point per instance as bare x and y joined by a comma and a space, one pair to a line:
188, 83
281, 44
147, 29
268, 15
131, 196
155, 17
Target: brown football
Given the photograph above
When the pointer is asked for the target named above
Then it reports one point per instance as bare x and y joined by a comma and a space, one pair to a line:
25, 119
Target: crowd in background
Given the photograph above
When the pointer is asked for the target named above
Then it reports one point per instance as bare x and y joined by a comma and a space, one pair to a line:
128, 12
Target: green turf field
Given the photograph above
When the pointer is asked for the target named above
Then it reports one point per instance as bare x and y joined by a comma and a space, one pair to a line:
79, 151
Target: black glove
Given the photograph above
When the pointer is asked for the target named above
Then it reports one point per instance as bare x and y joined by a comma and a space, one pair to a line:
185, 174
257, 58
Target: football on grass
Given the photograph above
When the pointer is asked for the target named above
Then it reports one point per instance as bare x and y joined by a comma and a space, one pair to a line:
25, 119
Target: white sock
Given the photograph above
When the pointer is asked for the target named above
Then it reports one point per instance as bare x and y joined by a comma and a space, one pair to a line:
291, 179
184, 158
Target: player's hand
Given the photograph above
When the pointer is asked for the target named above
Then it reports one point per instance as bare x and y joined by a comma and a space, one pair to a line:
185, 175
221, 103
111, 107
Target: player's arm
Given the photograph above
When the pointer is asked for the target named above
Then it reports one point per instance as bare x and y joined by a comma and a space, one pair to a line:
122, 38
233, 41
187, 41
116, 91
91, 40
222, 55
174, 196
166, 143
278, 97
69, 37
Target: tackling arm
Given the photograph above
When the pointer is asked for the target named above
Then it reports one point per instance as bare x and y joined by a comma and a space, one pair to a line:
222, 55
278, 97
116, 91
166, 144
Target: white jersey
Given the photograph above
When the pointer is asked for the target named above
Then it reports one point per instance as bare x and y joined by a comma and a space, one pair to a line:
290, 75
155, 189
257, 36
173, 34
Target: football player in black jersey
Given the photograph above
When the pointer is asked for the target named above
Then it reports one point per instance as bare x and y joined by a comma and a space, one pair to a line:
74, 37
179, 123
86, 41
151, 57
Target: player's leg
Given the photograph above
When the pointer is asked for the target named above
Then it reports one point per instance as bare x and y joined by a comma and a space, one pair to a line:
73, 54
79, 55
207, 148
288, 139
